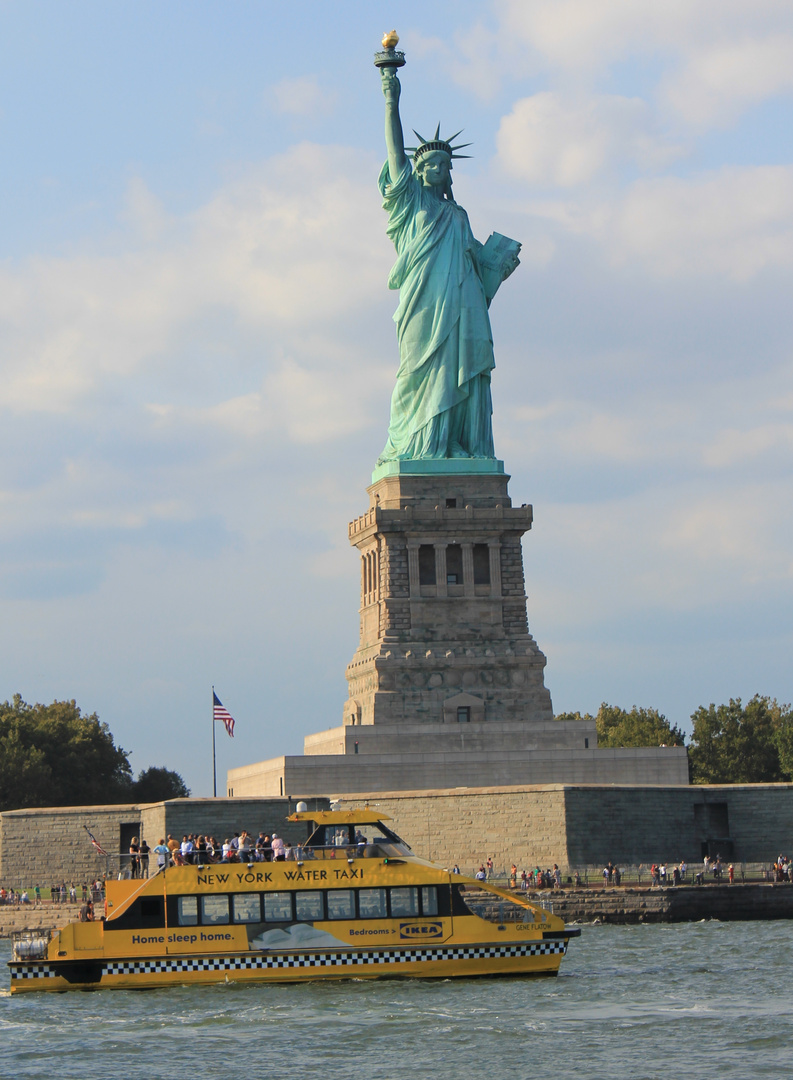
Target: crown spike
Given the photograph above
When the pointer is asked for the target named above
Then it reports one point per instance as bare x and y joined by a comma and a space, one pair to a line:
437, 134
420, 138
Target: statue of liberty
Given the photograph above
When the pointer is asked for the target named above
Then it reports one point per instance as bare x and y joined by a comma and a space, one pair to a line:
441, 405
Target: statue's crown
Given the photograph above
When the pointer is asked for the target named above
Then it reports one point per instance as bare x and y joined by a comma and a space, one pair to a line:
437, 143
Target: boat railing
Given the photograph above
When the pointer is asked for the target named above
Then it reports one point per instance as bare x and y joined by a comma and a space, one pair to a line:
494, 908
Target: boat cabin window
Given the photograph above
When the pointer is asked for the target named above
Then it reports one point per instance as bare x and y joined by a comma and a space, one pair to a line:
337, 836
429, 900
341, 904
371, 904
151, 913
308, 906
188, 910
405, 901
247, 907
369, 839
278, 907
214, 909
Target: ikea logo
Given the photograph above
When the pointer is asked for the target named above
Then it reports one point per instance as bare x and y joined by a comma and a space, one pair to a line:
422, 930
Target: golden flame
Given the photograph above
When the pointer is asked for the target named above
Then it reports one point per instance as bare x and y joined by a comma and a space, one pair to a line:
390, 40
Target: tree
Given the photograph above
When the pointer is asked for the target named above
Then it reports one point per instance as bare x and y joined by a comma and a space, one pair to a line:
637, 727
52, 755
157, 784
736, 744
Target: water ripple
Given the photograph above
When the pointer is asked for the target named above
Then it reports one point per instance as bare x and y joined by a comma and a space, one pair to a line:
634, 1003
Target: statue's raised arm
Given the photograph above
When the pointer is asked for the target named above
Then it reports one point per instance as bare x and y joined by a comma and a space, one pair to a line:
394, 139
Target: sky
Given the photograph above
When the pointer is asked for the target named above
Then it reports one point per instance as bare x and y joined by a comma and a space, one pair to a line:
198, 350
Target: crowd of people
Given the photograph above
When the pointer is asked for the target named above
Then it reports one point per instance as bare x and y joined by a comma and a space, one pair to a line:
200, 849
783, 869
58, 894
661, 874
523, 879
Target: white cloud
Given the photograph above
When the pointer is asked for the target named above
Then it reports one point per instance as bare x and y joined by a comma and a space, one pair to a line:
734, 222
731, 222
302, 96
741, 445
590, 35
549, 140
294, 246
743, 531
307, 404
717, 83
721, 56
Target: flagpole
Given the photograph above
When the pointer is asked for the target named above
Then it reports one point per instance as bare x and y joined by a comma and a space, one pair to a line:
214, 764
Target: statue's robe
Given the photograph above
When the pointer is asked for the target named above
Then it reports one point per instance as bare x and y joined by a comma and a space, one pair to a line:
441, 404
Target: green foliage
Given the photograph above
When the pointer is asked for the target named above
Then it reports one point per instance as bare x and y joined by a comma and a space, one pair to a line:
637, 727
736, 744
157, 784
52, 755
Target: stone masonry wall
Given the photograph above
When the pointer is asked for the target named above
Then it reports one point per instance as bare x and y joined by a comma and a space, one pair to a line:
395, 589
513, 586
522, 825
51, 846
580, 826
649, 824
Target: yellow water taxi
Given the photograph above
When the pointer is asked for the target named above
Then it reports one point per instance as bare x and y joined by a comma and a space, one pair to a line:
354, 902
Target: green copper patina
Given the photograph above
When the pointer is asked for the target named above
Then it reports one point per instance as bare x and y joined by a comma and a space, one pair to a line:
441, 406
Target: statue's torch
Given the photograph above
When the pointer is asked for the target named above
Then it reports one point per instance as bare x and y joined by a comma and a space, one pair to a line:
390, 57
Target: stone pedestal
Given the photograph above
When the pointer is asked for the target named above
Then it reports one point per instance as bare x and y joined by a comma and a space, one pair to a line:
446, 687
444, 634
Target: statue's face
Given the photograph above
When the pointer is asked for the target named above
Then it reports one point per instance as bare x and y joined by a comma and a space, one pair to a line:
434, 168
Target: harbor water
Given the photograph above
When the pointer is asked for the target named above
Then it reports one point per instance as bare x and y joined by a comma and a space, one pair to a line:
695, 1000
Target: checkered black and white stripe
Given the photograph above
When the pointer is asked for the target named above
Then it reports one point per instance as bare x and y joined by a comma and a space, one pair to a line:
274, 961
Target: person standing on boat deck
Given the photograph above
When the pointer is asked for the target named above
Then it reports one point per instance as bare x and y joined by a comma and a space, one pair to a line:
163, 854
134, 857
243, 845
278, 848
144, 858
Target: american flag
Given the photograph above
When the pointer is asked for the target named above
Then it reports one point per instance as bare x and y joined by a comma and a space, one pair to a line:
95, 842
220, 712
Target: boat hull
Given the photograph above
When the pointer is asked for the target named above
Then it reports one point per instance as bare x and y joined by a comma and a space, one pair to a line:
443, 962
